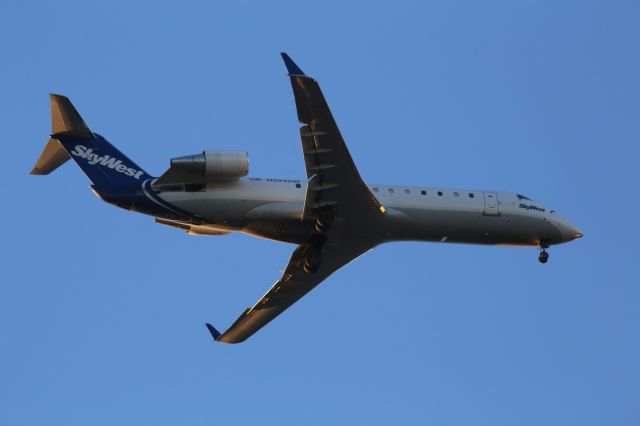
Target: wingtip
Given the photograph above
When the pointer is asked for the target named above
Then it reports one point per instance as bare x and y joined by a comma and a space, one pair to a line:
292, 68
214, 333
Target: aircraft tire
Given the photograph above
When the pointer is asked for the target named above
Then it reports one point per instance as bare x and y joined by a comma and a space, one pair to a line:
543, 257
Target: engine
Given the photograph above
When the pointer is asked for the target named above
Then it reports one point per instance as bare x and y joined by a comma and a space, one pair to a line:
213, 165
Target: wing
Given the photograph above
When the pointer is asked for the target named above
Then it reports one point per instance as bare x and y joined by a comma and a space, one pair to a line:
336, 199
333, 179
300, 277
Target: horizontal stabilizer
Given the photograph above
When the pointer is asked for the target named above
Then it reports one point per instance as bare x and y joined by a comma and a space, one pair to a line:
65, 120
52, 157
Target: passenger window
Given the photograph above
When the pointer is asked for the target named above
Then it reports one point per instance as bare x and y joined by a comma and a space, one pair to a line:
406, 191
456, 194
471, 195
439, 193
390, 190
423, 192
375, 189
298, 185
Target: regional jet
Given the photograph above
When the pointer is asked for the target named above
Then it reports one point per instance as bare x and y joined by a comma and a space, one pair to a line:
332, 216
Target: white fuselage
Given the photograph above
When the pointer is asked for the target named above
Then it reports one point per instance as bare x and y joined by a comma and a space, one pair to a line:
272, 208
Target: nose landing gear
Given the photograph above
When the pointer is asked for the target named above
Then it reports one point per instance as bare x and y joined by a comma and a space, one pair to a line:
544, 256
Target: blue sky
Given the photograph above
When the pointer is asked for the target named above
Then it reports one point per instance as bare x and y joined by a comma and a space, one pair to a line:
102, 311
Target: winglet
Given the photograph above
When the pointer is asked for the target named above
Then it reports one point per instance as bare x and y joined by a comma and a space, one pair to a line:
292, 68
214, 333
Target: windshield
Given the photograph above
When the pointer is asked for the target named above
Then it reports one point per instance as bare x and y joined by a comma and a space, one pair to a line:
522, 197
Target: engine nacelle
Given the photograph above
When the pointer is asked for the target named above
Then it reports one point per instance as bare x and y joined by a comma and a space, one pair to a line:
213, 165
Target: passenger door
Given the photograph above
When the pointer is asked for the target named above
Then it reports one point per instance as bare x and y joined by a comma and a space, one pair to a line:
491, 204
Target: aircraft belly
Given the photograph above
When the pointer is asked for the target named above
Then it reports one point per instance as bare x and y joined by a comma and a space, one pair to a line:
228, 212
281, 221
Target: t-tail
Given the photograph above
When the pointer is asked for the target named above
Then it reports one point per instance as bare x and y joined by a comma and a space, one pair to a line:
108, 168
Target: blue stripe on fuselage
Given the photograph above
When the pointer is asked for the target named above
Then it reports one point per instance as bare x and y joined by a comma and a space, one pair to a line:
118, 180
144, 199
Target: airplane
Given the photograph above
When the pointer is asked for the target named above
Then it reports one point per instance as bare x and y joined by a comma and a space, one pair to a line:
332, 216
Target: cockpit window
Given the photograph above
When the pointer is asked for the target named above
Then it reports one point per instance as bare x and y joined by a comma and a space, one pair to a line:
522, 197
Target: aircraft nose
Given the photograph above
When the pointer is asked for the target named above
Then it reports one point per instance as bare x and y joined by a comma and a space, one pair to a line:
569, 232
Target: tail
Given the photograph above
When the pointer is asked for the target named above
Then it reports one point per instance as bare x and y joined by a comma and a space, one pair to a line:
103, 164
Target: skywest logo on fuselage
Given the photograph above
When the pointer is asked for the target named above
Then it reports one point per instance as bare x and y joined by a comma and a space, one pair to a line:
532, 207
105, 160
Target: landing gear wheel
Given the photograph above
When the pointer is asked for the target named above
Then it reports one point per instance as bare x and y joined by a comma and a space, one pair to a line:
544, 256
325, 220
312, 264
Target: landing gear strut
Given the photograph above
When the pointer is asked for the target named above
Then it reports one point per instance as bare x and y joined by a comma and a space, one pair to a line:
317, 240
544, 256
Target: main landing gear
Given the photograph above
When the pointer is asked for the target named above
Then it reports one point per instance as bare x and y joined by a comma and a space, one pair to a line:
544, 256
317, 240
